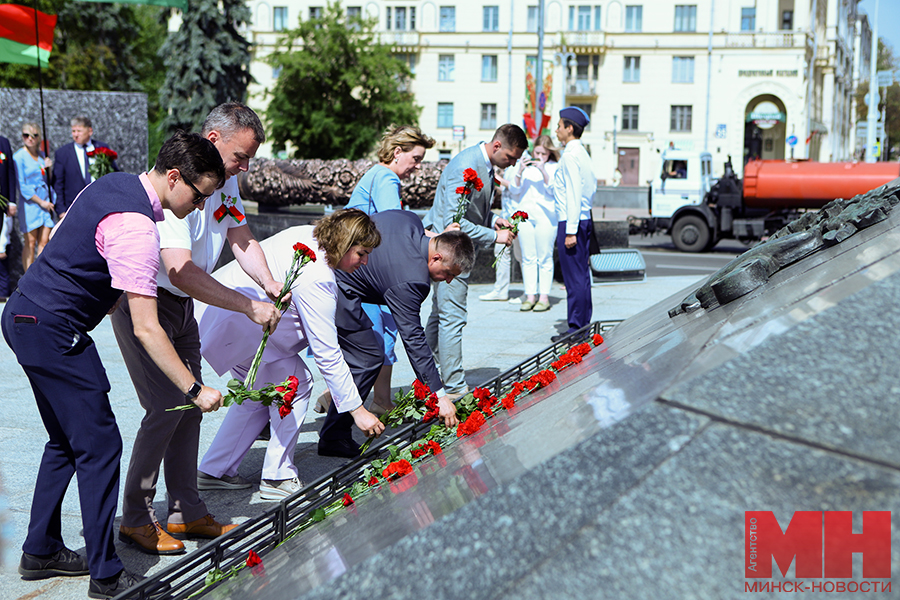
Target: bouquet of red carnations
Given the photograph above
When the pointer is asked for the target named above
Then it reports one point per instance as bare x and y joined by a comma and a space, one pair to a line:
419, 402
101, 162
470, 181
514, 222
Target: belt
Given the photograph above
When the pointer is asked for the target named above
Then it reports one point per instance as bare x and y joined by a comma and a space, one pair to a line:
161, 291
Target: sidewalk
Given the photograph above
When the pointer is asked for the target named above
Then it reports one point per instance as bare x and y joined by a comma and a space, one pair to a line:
497, 337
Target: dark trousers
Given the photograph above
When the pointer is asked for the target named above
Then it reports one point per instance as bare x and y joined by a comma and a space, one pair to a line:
576, 274
362, 349
70, 388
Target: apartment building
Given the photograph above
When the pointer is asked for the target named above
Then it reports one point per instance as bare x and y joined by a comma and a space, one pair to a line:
739, 78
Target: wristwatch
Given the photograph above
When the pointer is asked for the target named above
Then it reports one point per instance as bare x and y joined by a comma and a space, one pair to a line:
193, 392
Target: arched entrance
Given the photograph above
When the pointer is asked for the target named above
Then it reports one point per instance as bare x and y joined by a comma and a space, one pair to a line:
764, 128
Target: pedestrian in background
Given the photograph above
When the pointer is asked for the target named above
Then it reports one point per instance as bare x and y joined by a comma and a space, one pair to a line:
574, 185
533, 184
32, 173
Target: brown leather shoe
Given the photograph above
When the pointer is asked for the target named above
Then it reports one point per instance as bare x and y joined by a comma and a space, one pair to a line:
151, 539
204, 527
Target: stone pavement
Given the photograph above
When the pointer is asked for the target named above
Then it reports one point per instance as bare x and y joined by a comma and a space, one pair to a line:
497, 337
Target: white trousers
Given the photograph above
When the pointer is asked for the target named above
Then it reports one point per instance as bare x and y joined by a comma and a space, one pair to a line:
244, 422
537, 239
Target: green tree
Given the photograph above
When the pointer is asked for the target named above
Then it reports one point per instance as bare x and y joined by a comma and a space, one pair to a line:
338, 89
206, 62
889, 101
95, 47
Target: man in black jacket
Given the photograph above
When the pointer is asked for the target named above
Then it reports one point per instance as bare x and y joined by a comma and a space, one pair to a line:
398, 274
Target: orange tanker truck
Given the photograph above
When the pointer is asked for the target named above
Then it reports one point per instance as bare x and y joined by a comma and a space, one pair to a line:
698, 211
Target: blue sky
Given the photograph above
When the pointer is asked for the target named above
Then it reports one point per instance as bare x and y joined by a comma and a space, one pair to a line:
888, 20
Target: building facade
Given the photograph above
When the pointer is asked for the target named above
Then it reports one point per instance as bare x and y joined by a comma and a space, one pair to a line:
740, 78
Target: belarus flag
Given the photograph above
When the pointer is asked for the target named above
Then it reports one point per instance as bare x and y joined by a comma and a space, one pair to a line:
17, 35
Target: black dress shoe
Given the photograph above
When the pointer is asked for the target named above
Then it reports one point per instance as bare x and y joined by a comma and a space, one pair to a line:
65, 563
559, 337
110, 587
341, 448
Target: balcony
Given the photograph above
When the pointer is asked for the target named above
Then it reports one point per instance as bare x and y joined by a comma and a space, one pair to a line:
585, 42
581, 87
787, 39
402, 40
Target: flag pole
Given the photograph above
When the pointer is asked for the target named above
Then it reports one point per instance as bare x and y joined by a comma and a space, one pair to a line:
37, 42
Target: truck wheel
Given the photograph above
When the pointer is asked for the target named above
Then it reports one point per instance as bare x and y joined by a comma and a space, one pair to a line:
691, 234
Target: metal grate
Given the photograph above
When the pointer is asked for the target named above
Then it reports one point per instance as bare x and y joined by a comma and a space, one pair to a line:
265, 532
618, 264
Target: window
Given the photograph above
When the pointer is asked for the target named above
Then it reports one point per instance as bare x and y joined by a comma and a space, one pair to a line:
579, 18
279, 18
532, 24
448, 18
400, 18
582, 74
354, 12
681, 118
409, 60
488, 116
597, 23
489, 68
629, 117
491, 18
445, 115
315, 12
686, 17
632, 69
682, 69
446, 66
787, 20
633, 18
748, 19
444, 154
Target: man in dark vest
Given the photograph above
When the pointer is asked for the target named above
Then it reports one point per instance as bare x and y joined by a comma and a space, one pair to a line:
108, 243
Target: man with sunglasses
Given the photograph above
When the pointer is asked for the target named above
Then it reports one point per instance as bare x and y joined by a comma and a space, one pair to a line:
108, 244
189, 250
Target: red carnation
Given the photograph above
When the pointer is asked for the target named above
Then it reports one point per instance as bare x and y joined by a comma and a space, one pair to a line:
508, 401
520, 214
597, 339
421, 391
397, 469
471, 425
285, 409
293, 382
478, 184
481, 393
432, 411
253, 559
347, 500
435, 447
281, 389
463, 190
469, 175
418, 452
373, 481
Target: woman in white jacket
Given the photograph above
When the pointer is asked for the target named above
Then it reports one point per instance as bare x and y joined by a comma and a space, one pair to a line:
229, 341
533, 184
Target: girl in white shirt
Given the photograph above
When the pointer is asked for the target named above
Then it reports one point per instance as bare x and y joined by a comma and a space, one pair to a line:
533, 183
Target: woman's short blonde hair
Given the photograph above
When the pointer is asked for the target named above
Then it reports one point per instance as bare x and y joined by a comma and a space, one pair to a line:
545, 141
31, 125
405, 137
343, 229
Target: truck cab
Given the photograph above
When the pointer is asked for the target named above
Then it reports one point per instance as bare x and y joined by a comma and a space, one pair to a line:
678, 199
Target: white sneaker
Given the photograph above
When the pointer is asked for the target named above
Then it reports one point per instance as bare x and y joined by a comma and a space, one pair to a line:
278, 489
492, 296
516, 300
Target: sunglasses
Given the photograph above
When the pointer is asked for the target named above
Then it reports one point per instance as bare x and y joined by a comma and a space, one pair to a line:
31, 135
199, 198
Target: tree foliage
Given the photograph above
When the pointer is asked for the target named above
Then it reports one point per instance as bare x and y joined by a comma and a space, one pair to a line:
338, 89
106, 47
889, 101
206, 62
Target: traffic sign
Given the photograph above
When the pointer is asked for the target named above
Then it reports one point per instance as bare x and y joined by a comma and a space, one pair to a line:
877, 97
885, 78
792, 141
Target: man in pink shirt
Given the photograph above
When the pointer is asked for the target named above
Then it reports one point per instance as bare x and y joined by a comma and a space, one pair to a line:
107, 244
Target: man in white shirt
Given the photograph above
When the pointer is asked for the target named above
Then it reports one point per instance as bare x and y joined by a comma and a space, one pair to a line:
574, 187
189, 250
